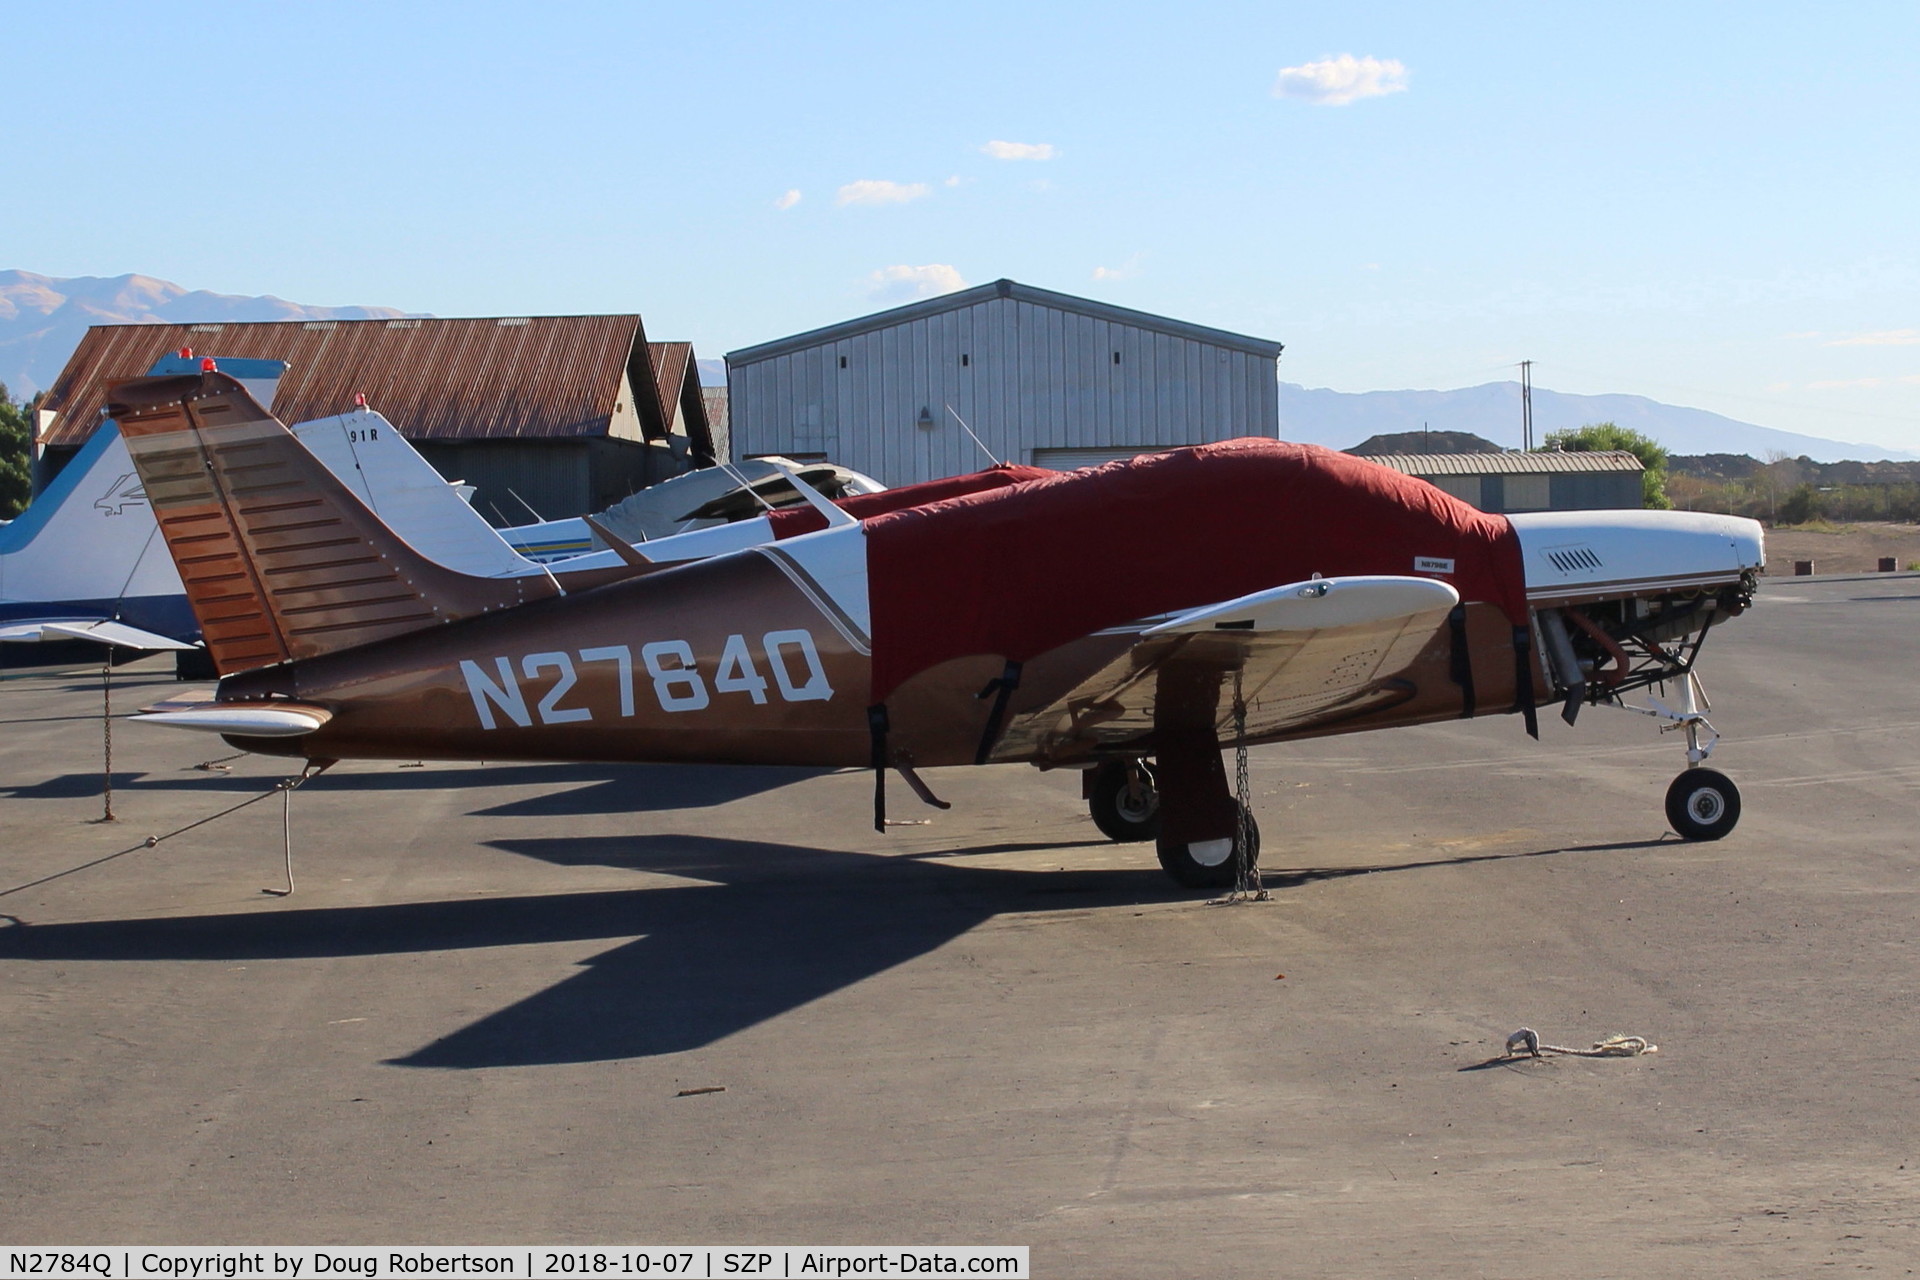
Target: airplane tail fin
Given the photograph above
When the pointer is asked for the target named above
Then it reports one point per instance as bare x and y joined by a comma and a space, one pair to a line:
281, 561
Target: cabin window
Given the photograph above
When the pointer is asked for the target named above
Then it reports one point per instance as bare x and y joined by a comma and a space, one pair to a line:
963, 360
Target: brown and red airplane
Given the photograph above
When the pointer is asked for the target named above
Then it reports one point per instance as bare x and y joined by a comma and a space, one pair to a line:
1132, 621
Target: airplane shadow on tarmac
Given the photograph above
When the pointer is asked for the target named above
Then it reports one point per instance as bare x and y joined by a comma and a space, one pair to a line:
634, 788
759, 929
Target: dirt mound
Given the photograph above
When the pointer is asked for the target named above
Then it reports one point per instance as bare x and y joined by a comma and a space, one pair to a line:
1842, 548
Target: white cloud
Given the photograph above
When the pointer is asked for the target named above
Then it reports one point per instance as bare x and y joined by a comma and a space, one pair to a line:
788, 200
1020, 150
880, 191
1125, 271
907, 284
1334, 82
1884, 338
954, 181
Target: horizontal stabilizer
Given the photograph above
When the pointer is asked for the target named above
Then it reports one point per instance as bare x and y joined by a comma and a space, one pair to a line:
116, 633
1316, 605
267, 719
103, 631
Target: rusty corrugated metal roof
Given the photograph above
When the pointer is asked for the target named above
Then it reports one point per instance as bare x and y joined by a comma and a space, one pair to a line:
676, 371
1487, 464
515, 378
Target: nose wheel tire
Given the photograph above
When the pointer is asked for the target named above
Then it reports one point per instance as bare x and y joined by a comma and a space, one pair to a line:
1703, 804
1210, 864
1123, 813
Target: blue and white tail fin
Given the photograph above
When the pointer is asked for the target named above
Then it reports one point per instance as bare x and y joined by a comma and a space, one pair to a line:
87, 550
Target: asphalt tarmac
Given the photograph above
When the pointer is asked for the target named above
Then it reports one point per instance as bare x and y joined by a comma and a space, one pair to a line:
474, 1019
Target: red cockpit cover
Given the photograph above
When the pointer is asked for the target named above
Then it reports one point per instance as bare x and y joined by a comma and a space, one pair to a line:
1019, 570
791, 522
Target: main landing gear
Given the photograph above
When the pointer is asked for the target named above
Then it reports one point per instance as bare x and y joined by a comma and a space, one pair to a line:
1124, 799
1213, 864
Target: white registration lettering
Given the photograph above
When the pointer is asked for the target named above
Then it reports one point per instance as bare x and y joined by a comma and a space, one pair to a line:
486, 694
620, 654
815, 688
737, 674
551, 712
686, 677
677, 681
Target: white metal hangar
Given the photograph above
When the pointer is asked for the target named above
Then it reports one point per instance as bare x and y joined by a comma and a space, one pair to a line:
1042, 378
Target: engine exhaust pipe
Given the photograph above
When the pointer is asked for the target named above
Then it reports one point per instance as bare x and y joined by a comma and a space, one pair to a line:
1566, 667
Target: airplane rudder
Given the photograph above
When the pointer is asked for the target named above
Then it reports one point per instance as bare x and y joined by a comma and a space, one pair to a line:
280, 559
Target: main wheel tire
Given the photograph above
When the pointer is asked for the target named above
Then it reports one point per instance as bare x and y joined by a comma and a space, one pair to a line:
1703, 804
1187, 869
1119, 813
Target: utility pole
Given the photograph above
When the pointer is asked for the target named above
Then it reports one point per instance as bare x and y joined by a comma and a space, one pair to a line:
1526, 405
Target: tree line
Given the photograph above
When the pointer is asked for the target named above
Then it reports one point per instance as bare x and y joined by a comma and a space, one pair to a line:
16, 453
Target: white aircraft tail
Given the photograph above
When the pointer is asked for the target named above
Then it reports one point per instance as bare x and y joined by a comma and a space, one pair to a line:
383, 470
74, 542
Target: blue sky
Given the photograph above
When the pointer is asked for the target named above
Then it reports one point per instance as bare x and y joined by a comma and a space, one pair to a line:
1713, 205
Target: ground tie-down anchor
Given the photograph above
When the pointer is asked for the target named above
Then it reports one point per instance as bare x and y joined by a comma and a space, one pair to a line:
1526, 1042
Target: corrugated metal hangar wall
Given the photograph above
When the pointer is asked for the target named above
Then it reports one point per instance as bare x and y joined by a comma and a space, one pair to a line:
1042, 378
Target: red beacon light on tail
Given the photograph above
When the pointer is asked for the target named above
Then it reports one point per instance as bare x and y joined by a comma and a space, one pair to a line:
207, 365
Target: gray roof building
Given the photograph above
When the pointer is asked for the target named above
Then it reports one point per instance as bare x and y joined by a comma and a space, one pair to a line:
1515, 482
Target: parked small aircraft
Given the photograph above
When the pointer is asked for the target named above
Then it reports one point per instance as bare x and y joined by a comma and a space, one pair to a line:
1131, 620
697, 499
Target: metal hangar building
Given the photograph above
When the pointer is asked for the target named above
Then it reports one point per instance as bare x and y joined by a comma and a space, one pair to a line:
1042, 378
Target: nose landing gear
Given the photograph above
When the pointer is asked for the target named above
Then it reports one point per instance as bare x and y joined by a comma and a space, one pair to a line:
1702, 804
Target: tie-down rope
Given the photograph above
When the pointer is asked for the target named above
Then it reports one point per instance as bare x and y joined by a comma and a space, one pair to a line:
1526, 1043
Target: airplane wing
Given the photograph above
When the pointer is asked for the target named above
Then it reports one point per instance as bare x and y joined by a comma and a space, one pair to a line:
1306, 654
101, 631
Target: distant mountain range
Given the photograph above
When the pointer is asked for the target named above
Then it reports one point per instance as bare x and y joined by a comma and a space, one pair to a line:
42, 319
1340, 419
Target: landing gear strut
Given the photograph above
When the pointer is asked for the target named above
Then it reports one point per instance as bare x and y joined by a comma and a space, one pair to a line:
1702, 804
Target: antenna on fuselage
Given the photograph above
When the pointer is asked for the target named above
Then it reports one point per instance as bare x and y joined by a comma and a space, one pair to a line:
976, 439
